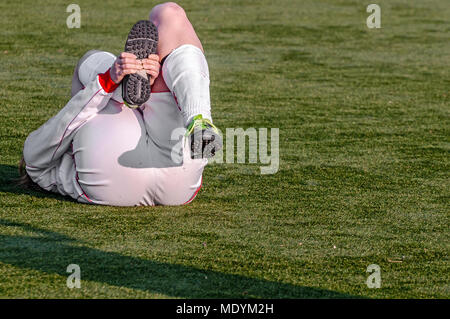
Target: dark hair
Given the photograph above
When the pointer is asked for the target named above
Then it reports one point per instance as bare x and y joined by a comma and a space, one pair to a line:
24, 179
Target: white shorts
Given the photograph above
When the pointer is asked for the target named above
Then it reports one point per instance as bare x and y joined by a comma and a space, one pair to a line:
123, 156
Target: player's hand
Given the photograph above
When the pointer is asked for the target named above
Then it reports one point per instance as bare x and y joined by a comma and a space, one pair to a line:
126, 63
151, 66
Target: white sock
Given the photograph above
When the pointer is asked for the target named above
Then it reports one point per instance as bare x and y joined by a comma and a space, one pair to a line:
186, 74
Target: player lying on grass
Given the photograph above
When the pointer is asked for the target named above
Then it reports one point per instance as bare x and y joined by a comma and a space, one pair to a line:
114, 143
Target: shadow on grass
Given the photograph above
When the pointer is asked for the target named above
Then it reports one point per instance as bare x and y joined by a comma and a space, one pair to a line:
51, 253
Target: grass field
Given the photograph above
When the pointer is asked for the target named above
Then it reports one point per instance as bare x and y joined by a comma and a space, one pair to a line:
364, 156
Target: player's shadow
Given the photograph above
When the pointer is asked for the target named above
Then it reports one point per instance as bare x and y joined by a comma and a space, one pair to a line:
155, 148
51, 253
149, 153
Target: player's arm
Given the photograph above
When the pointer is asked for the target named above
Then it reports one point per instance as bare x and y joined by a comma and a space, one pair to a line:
48, 143
44, 147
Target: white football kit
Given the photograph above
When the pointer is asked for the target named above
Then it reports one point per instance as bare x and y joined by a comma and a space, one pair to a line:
97, 150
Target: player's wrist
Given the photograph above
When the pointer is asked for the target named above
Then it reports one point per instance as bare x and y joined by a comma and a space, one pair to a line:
107, 82
113, 76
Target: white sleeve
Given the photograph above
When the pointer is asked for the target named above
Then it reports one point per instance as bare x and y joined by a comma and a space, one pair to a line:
45, 148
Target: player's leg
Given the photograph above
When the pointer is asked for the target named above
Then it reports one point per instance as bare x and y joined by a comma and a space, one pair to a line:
186, 74
174, 28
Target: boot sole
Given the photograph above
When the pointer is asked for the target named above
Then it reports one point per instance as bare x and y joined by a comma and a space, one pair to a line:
142, 41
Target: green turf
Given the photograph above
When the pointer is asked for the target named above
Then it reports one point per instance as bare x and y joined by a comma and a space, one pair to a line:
364, 146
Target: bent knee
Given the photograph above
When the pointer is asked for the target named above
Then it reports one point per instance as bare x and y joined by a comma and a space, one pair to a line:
166, 10
172, 7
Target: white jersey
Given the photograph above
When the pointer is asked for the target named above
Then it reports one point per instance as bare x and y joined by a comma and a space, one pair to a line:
97, 150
